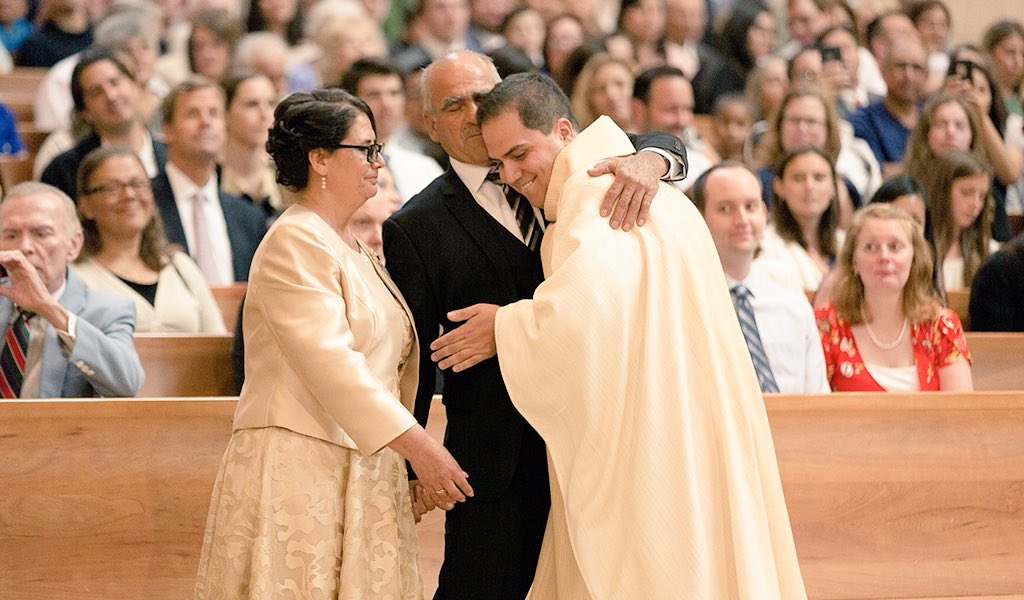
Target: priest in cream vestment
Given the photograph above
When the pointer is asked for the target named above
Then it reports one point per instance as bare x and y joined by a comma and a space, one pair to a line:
630, 363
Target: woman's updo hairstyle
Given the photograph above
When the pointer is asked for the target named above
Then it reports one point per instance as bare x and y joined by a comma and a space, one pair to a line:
306, 121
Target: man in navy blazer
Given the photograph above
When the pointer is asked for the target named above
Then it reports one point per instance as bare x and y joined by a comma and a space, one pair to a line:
80, 341
447, 250
231, 228
106, 97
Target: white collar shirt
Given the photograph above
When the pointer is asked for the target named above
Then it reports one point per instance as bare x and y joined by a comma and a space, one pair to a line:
490, 196
184, 190
789, 335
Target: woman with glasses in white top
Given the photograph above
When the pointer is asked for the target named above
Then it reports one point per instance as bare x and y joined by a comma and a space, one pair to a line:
125, 252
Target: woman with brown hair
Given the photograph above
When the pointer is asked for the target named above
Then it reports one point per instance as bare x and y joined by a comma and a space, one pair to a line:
801, 244
885, 329
125, 252
960, 206
807, 116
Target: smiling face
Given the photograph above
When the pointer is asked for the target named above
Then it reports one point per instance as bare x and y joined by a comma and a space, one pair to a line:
451, 85
735, 214
882, 255
525, 156
121, 200
109, 96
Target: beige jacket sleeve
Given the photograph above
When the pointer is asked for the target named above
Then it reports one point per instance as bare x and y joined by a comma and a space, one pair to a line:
316, 354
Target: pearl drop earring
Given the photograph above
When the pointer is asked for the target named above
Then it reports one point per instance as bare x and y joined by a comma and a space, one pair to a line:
323, 182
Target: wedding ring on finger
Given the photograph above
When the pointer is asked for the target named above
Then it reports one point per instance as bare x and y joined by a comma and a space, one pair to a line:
442, 491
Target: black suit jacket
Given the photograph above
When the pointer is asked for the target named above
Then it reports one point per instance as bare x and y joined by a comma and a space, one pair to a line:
62, 172
997, 292
444, 251
246, 224
716, 77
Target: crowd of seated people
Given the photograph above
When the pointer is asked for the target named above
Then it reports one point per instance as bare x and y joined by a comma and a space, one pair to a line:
834, 107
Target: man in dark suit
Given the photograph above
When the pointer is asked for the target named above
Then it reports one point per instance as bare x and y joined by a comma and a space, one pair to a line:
220, 231
456, 244
106, 97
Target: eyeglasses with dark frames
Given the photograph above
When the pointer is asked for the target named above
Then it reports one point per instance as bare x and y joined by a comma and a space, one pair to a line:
114, 188
372, 151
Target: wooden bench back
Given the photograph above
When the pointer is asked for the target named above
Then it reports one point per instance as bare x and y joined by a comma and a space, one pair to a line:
904, 496
998, 360
228, 298
106, 499
185, 365
890, 496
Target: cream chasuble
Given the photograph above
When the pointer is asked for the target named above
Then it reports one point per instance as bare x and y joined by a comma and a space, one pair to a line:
630, 363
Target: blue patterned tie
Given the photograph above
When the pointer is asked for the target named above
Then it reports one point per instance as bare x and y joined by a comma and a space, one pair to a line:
521, 207
748, 324
13, 356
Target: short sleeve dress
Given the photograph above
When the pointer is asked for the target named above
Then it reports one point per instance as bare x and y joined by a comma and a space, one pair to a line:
936, 345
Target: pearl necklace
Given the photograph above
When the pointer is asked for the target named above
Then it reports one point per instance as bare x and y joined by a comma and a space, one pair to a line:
880, 345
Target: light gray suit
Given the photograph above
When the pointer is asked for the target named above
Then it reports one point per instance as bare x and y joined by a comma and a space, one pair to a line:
103, 361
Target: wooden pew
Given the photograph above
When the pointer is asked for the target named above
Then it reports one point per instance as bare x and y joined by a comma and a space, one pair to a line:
957, 301
890, 496
18, 90
32, 137
185, 365
228, 297
998, 360
904, 496
15, 169
106, 499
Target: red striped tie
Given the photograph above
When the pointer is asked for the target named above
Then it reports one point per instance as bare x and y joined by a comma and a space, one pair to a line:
14, 355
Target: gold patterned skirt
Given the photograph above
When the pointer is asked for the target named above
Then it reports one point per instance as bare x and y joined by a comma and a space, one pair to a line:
297, 517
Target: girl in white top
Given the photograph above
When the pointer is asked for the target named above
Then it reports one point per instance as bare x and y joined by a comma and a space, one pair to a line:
960, 205
125, 252
801, 244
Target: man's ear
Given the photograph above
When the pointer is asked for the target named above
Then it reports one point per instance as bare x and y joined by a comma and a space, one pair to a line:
565, 130
431, 123
75, 246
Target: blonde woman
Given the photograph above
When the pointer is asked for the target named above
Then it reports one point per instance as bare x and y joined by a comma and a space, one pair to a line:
885, 329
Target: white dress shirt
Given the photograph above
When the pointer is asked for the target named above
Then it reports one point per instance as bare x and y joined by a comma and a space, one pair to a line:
184, 189
785, 322
490, 196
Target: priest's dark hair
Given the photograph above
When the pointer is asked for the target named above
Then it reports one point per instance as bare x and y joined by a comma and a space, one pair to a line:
537, 99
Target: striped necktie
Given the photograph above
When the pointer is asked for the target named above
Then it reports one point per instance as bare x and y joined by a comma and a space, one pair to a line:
745, 312
14, 356
526, 218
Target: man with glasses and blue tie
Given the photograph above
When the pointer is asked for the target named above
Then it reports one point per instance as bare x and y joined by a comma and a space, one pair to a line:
60, 339
777, 323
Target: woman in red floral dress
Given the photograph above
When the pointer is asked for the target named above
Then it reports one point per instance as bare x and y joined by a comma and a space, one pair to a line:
886, 330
